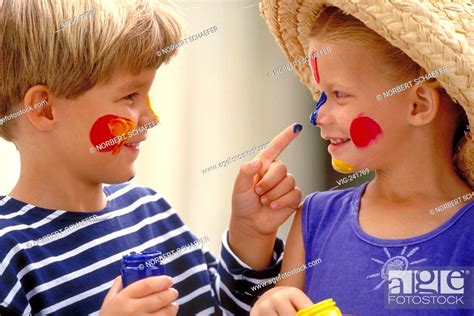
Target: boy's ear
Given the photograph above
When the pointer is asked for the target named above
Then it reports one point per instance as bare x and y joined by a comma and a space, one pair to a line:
41, 114
425, 102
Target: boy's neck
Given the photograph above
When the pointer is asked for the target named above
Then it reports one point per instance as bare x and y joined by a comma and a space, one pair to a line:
59, 195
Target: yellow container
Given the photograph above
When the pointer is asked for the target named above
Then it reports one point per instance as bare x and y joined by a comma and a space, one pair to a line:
324, 308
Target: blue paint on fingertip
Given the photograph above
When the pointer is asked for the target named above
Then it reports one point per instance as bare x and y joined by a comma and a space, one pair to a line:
314, 115
297, 128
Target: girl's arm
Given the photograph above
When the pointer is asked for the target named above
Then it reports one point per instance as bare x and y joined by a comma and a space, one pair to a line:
294, 256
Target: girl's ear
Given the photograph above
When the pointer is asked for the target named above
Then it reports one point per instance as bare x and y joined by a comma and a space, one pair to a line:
425, 102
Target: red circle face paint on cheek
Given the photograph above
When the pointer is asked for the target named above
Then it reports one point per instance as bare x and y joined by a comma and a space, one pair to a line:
106, 128
314, 67
364, 130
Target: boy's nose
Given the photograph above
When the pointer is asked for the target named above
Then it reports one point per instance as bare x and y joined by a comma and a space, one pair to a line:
148, 105
149, 115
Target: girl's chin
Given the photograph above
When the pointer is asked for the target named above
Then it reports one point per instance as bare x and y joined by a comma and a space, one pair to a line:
342, 166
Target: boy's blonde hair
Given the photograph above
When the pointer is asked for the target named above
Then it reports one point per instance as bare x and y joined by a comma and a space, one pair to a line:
97, 38
334, 25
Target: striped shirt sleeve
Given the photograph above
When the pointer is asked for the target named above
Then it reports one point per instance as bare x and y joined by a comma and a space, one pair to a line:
7, 280
238, 285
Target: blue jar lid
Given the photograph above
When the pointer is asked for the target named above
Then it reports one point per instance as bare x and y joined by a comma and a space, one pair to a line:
134, 258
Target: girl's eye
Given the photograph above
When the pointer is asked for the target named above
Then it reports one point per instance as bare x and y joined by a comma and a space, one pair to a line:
131, 97
339, 94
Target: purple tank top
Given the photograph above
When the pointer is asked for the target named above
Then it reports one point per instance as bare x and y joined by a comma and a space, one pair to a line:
354, 266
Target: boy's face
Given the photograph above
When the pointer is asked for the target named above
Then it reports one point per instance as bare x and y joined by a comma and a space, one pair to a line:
360, 128
82, 119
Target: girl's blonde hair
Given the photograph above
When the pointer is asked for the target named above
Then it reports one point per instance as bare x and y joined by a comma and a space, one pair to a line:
97, 38
333, 25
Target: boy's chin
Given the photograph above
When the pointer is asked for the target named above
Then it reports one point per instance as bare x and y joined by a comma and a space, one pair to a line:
119, 177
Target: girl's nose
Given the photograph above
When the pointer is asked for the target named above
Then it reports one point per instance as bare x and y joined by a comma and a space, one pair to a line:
314, 115
324, 117
317, 117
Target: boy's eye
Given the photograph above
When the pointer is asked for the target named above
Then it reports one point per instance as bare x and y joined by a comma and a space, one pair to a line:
131, 96
339, 94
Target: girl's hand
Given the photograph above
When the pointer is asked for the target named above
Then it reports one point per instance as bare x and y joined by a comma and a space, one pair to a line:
281, 300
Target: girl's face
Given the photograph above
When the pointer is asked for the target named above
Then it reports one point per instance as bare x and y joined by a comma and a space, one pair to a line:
361, 129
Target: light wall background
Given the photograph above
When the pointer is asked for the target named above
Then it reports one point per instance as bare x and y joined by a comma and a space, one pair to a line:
215, 100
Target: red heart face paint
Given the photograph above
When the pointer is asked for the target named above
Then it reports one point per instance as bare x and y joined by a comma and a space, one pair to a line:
109, 132
364, 130
314, 67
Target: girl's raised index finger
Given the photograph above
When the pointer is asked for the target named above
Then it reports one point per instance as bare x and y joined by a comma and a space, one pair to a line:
279, 144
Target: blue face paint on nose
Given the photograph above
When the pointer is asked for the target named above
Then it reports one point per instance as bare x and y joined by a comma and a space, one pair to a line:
314, 115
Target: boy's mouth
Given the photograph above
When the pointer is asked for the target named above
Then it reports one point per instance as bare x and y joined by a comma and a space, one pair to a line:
134, 145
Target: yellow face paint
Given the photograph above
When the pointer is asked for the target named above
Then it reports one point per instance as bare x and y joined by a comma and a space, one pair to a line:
341, 166
148, 104
119, 126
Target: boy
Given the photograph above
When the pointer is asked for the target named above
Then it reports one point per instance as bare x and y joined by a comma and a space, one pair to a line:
62, 233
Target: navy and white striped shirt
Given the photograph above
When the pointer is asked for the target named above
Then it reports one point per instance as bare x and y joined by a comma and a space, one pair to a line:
63, 263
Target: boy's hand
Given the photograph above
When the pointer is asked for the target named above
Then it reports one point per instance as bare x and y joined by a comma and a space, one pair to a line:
153, 295
281, 300
264, 197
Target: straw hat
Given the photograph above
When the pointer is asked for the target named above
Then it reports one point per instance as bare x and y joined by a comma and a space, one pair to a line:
433, 33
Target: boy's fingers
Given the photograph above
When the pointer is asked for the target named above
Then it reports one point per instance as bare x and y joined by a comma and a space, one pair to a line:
149, 286
172, 309
275, 173
278, 145
287, 185
159, 301
290, 199
245, 178
115, 289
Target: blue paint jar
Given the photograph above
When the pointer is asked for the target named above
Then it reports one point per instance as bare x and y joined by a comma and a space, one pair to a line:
137, 266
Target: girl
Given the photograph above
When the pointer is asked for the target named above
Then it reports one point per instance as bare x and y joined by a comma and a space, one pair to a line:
392, 93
